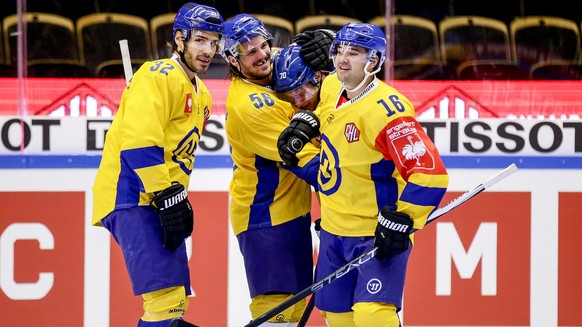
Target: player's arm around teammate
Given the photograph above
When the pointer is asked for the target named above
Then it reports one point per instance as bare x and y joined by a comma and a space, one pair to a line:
270, 204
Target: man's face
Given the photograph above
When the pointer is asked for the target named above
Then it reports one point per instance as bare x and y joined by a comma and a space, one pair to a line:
305, 97
255, 58
349, 63
200, 49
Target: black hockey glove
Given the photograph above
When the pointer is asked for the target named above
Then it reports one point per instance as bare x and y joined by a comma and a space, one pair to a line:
303, 127
392, 232
315, 48
317, 226
176, 215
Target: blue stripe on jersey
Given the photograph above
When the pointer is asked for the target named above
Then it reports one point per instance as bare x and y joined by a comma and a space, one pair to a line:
421, 195
268, 180
385, 185
143, 157
129, 184
308, 172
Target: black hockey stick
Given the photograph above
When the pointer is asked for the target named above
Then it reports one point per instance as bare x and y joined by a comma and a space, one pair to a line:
370, 254
308, 309
311, 304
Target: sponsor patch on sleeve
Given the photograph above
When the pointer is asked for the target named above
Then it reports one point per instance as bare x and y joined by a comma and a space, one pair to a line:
409, 145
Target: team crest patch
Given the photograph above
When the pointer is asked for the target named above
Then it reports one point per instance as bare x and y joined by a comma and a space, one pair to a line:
188, 106
351, 132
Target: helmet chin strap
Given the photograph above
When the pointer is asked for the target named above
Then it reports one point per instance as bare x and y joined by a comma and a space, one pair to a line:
366, 75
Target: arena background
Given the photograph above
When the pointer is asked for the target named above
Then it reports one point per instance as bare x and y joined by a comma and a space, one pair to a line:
509, 257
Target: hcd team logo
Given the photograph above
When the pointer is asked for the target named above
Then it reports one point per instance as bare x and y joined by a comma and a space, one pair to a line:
330, 176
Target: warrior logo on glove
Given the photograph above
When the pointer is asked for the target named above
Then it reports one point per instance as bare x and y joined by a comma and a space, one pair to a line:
392, 232
401, 228
303, 127
173, 200
176, 215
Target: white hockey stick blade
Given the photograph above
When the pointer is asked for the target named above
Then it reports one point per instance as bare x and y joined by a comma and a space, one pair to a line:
472, 192
370, 253
126, 59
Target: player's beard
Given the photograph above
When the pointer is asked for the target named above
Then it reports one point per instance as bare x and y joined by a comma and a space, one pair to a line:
193, 63
257, 74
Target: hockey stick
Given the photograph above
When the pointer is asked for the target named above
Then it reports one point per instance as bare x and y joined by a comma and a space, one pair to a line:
126, 59
311, 304
370, 253
308, 309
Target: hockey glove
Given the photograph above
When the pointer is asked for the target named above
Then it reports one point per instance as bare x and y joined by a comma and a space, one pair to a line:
315, 48
392, 232
303, 127
317, 226
176, 215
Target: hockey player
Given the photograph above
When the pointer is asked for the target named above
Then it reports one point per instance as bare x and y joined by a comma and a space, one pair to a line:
380, 175
140, 191
294, 80
270, 204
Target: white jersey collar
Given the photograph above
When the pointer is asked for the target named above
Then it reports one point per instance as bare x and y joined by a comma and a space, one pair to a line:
366, 90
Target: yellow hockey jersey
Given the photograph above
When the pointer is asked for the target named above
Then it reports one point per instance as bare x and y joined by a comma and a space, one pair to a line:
263, 192
152, 138
373, 153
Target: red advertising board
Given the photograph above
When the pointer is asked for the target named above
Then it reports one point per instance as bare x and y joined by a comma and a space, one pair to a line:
208, 268
473, 267
61, 303
41, 243
569, 260
488, 270
431, 99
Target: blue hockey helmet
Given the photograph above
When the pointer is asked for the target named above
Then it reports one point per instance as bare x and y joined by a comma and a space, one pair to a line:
364, 35
290, 71
293, 80
240, 29
193, 16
